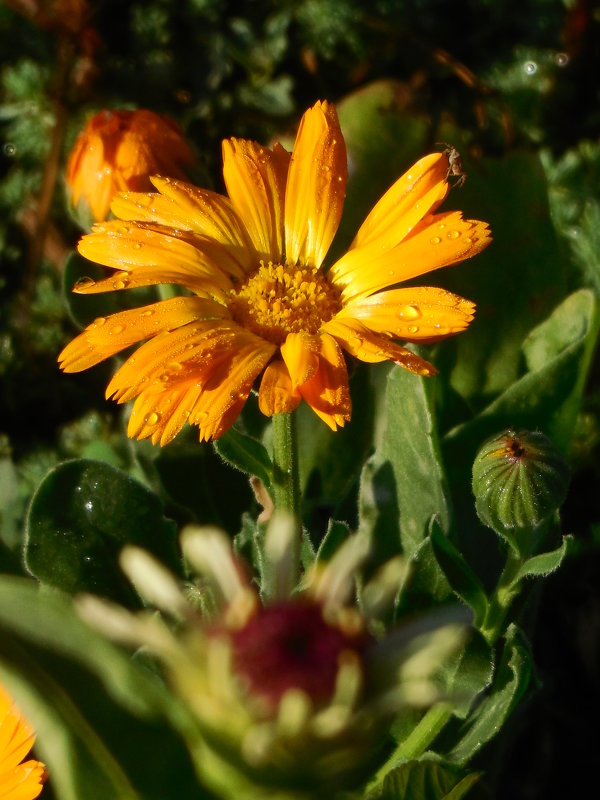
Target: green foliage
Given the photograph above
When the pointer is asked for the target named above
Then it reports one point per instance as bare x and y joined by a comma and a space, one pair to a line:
496, 80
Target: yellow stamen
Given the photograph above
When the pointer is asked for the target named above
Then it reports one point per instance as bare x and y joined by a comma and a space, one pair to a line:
277, 300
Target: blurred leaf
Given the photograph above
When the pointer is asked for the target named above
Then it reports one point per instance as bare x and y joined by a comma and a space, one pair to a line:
425, 780
81, 516
81, 693
245, 454
402, 485
460, 576
515, 282
544, 563
509, 686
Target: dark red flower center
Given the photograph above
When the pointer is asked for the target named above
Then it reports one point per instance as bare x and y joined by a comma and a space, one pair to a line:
290, 645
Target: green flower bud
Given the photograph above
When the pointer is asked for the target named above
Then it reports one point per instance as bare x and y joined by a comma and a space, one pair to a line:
519, 480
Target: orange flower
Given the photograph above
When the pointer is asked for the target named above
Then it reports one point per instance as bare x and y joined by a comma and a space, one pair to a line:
18, 781
119, 150
258, 298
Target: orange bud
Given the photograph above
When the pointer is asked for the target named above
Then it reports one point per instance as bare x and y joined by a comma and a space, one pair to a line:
118, 151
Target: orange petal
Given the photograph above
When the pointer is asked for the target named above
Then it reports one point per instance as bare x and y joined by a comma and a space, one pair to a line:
371, 347
439, 241
229, 385
417, 192
277, 394
421, 313
145, 255
255, 178
106, 336
300, 354
327, 393
172, 357
316, 186
160, 415
203, 215
184, 207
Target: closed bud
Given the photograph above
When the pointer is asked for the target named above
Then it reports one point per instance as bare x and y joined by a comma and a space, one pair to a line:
519, 480
120, 151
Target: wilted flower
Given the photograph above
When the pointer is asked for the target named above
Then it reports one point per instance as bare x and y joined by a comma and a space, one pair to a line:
120, 150
292, 692
19, 780
260, 300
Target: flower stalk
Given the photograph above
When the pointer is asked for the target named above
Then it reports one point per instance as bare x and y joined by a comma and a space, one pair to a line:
286, 479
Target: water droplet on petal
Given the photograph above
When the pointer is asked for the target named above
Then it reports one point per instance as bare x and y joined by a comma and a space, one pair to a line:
83, 283
118, 329
435, 240
152, 418
99, 322
148, 313
174, 366
453, 234
413, 329
409, 312
137, 246
468, 240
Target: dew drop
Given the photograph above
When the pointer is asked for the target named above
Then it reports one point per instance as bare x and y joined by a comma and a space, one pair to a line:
413, 329
435, 240
118, 329
99, 322
83, 283
9, 149
174, 366
453, 234
120, 284
409, 312
468, 240
561, 59
530, 68
148, 313
137, 246
152, 418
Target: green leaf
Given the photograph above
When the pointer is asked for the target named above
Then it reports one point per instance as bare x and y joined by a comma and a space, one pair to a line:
245, 454
81, 516
98, 713
460, 576
426, 585
403, 483
330, 462
508, 687
544, 563
336, 535
468, 674
425, 779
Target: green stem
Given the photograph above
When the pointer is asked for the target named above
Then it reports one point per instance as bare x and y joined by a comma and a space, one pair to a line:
501, 601
286, 476
417, 742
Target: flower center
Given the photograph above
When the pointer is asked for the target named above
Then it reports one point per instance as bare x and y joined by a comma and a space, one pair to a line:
277, 300
290, 646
